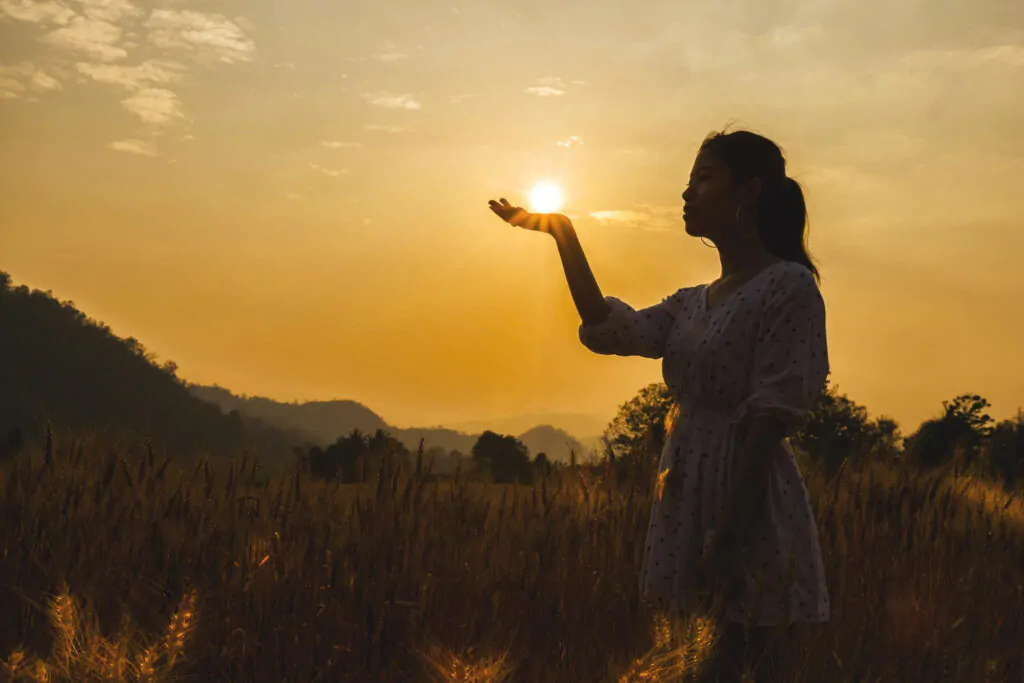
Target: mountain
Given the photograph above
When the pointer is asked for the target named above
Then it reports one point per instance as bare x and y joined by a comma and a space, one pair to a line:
325, 421
573, 423
553, 442
319, 420
59, 366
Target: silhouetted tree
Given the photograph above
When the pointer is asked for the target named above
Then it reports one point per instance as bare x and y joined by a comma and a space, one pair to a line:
505, 457
883, 440
639, 417
963, 428
836, 428
1005, 451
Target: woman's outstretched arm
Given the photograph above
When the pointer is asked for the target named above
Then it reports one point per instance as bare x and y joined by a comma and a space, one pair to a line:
586, 293
590, 303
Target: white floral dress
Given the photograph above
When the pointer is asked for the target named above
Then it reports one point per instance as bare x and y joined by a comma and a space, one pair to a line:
760, 351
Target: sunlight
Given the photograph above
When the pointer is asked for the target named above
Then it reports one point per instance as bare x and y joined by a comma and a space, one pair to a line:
545, 198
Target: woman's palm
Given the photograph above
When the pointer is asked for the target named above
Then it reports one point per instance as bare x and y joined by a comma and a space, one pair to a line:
518, 216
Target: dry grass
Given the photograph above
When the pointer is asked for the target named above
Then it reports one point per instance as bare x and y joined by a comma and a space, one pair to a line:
411, 579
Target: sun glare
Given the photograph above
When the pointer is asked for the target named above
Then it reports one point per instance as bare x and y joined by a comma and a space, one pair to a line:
545, 198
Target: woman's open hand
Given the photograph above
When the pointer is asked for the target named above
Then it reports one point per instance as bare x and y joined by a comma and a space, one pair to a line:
520, 217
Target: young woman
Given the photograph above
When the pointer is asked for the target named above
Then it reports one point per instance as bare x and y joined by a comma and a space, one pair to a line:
745, 357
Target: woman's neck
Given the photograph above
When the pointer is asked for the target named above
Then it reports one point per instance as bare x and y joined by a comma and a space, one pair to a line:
744, 259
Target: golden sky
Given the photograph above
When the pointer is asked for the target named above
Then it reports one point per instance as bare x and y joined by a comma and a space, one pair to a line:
289, 199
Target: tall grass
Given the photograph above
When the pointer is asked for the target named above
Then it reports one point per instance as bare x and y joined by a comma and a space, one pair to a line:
415, 579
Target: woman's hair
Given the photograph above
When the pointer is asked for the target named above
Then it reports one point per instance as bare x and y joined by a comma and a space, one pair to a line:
781, 212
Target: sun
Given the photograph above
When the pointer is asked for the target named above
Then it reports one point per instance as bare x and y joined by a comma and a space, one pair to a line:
545, 198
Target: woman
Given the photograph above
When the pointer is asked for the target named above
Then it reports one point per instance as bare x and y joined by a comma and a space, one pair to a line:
745, 357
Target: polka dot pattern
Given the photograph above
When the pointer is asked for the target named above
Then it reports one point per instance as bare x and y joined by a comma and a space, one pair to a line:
757, 350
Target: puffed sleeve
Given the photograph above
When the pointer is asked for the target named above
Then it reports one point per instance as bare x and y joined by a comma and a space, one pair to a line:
629, 332
791, 356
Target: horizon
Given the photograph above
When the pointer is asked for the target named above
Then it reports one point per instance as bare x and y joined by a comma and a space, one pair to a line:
292, 204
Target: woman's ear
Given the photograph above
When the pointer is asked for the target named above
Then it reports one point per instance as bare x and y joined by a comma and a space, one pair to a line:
750, 191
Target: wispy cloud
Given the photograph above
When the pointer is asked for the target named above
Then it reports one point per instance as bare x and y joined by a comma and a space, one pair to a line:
155, 106
965, 59
389, 57
328, 171
96, 37
36, 12
386, 128
133, 77
97, 30
205, 36
570, 141
642, 217
10, 88
390, 101
134, 147
22, 79
109, 10
43, 81
338, 144
551, 86
391, 54
544, 91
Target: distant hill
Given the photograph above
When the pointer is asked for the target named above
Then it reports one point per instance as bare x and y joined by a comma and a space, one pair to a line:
319, 420
325, 421
58, 365
579, 425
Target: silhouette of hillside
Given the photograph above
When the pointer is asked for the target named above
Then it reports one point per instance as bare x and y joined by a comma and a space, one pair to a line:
324, 422
58, 365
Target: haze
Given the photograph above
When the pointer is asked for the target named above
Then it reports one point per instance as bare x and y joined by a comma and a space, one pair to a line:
290, 199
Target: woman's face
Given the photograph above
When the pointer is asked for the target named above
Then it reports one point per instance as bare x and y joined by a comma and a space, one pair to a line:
708, 204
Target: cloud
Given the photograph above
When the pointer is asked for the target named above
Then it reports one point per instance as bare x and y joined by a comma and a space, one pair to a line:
549, 86
36, 12
17, 80
109, 10
570, 141
337, 144
966, 59
618, 216
155, 106
205, 36
43, 81
10, 88
385, 128
329, 171
96, 37
390, 57
133, 77
459, 99
390, 101
134, 147
97, 30
544, 91
643, 217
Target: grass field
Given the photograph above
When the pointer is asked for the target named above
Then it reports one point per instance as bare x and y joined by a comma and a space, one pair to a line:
123, 566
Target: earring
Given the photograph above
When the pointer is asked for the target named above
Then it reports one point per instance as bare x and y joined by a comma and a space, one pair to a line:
738, 213
708, 245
